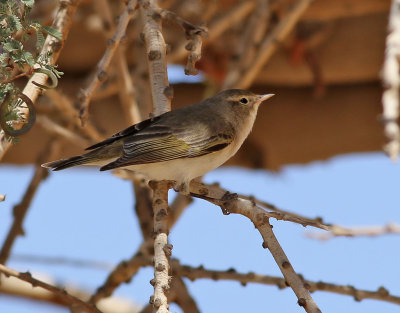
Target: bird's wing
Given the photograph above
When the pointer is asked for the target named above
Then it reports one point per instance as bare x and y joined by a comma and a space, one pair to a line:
159, 143
126, 132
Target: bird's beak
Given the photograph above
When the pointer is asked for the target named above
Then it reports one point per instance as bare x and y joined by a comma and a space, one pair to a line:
265, 97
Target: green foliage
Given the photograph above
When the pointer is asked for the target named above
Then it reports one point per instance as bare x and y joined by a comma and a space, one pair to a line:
21, 41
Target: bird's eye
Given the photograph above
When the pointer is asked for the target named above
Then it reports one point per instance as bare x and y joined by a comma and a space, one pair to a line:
243, 100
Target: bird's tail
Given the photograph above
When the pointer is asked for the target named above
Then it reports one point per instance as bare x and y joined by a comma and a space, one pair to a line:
99, 156
66, 163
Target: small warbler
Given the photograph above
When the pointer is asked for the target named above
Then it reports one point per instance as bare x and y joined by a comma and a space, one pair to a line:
178, 145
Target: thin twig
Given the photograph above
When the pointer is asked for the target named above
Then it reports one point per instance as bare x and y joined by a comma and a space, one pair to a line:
162, 250
62, 23
371, 231
121, 274
65, 106
56, 129
249, 41
230, 203
180, 295
143, 205
61, 293
16, 77
102, 67
126, 88
194, 34
391, 83
284, 215
194, 273
269, 45
216, 28
20, 210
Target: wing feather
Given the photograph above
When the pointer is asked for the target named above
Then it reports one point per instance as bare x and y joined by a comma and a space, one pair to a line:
169, 147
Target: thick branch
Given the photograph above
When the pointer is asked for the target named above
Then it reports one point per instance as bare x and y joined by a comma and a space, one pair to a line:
180, 295
391, 83
61, 293
62, 23
125, 270
162, 250
161, 92
102, 67
230, 203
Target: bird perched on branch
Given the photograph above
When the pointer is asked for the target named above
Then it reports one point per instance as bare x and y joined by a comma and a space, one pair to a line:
178, 145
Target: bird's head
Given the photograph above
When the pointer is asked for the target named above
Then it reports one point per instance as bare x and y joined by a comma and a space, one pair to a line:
239, 100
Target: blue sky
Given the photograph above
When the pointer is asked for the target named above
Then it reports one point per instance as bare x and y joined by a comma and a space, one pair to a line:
84, 214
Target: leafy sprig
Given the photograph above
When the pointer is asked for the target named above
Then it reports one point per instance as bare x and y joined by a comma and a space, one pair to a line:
21, 41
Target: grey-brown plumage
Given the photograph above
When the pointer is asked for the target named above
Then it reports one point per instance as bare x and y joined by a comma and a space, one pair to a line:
207, 132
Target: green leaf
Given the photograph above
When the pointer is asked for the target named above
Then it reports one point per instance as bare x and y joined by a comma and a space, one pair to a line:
14, 23
12, 45
3, 57
39, 40
28, 3
52, 32
28, 58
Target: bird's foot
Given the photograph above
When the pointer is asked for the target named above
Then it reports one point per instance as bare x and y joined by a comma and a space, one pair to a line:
228, 196
183, 188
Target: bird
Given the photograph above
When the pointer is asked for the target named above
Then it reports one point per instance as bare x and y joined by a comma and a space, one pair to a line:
179, 145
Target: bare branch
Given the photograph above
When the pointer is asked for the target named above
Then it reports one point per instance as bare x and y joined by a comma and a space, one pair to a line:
125, 270
102, 67
20, 210
61, 293
194, 273
122, 273
269, 45
143, 205
230, 203
180, 295
62, 23
391, 83
372, 231
162, 250
216, 28
249, 41
56, 129
194, 34
126, 88
65, 106
161, 91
